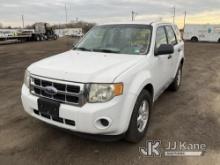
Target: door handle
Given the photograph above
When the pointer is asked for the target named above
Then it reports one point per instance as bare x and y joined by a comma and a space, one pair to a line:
179, 50
169, 57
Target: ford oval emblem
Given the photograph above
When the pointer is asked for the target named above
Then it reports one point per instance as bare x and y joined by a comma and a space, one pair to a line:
50, 90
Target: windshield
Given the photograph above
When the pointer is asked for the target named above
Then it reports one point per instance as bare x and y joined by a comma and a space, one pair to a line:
121, 39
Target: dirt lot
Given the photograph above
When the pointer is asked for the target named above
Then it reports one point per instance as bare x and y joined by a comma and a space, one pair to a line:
191, 115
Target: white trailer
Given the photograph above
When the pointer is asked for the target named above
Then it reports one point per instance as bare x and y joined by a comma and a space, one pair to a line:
202, 32
19, 34
74, 32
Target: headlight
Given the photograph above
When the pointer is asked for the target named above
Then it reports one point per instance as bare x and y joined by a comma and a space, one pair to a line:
99, 93
27, 78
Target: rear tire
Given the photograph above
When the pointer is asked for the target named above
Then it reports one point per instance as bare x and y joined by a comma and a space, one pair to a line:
140, 118
194, 39
55, 37
177, 81
42, 38
37, 38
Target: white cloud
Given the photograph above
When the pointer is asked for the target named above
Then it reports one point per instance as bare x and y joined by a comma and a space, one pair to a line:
52, 11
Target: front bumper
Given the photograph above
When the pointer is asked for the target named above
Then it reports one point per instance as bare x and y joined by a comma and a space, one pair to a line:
86, 118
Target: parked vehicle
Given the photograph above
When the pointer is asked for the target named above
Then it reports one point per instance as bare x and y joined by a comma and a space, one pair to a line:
196, 33
41, 31
107, 84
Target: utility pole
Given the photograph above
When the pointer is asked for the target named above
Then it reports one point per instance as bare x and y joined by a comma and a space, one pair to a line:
133, 15
22, 18
184, 19
174, 13
66, 12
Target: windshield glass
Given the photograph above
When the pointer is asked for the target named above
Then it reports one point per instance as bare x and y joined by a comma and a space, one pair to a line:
122, 39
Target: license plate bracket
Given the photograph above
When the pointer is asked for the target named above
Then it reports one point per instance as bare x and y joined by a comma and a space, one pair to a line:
48, 107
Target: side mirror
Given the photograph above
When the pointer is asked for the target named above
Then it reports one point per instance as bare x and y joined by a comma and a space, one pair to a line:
164, 49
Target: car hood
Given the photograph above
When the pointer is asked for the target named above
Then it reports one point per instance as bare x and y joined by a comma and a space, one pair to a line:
81, 66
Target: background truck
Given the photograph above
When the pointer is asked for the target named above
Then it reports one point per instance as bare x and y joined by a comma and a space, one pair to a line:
41, 31
196, 33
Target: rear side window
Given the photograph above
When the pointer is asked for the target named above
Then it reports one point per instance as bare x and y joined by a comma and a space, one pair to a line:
171, 35
161, 37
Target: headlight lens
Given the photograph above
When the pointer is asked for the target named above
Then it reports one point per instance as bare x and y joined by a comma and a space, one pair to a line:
100, 93
27, 78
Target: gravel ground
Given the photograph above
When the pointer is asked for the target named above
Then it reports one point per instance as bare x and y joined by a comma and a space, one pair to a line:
191, 115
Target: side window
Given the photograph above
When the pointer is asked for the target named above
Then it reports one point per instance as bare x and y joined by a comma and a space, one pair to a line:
161, 37
171, 35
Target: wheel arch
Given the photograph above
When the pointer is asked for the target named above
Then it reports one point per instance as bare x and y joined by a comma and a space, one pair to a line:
194, 38
149, 87
182, 61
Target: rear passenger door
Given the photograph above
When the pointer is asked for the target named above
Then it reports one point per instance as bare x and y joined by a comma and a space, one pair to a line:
174, 58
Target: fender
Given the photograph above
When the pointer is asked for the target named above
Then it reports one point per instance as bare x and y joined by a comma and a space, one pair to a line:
137, 85
139, 82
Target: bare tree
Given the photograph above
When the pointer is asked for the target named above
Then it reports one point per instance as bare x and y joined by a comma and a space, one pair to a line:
86, 26
29, 26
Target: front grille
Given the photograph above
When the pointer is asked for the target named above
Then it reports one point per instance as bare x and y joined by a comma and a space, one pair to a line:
65, 92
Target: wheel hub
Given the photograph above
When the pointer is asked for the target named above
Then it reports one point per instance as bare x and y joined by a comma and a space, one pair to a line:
179, 77
143, 115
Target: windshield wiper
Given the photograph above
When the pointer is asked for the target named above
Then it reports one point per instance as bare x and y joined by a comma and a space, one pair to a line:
82, 48
106, 50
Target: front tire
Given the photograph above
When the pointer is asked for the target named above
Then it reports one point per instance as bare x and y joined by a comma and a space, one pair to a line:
140, 117
177, 81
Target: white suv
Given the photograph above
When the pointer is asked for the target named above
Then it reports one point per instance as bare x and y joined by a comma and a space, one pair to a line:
107, 84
